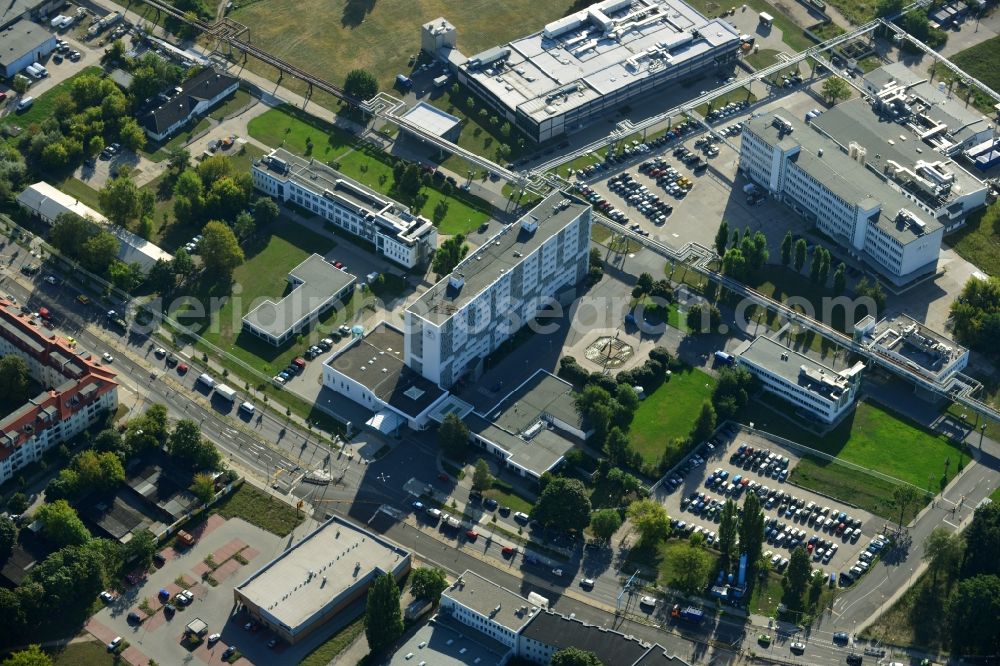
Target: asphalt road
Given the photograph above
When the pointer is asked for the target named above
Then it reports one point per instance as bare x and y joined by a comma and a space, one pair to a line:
267, 445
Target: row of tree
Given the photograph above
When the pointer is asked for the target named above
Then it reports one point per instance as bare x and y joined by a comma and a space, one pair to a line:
975, 315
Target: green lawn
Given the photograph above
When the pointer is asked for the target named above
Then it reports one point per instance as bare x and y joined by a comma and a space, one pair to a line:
291, 129
90, 653
603, 235
878, 439
669, 412
979, 240
982, 61
995, 495
44, 103
515, 502
869, 492
231, 104
341, 35
264, 275
792, 33
79, 189
260, 509
762, 58
331, 649
766, 597
661, 559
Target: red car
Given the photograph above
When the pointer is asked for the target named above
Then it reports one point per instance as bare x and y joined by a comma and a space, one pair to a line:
3, 96
338, 264
182, 368
443, 477
472, 535
508, 551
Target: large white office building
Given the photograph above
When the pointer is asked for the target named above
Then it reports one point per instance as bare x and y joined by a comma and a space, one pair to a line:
589, 63
397, 234
497, 289
871, 218
815, 390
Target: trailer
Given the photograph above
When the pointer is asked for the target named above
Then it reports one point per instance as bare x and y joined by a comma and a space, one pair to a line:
766, 19
690, 614
988, 160
225, 392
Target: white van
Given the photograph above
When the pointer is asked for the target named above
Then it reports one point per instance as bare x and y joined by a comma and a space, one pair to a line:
25, 103
206, 380
33, 72
246, 407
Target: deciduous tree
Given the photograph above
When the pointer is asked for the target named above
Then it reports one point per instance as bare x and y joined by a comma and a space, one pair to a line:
361, 84
220, 251
650, 519
564, 504
482, 480
605, 523
13, 379
61, 524
797, 576
572, 656
449, 254
691, 568
203, 487
835, 89
30, 656
428, 583
186, 444
974, 616
121, 201
800, 254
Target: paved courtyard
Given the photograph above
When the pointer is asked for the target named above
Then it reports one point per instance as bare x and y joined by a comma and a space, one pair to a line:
223, 543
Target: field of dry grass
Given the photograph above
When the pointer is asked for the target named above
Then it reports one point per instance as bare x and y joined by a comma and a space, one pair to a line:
331, 37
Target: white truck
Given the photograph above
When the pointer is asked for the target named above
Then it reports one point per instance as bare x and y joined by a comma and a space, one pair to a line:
104, 23
225, 392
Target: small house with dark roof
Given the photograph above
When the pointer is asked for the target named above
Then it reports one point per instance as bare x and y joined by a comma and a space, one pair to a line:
174, 108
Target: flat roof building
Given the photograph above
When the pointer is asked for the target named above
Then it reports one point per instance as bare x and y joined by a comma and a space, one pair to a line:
487, 607
907, 342
433, 120
407, 239
927, 109
317, 287
871, 220
497, 289
589, 63
319, 577
532, 428
370, 371
23, 43
935, 186
444, 642
47, 203
816, 390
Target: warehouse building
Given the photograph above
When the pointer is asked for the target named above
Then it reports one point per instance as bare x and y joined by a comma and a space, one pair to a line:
497, 289
23, 43
78, 391
48, 203
589, 63
870, 219
317, 287
817, 391
409, 240
318, 578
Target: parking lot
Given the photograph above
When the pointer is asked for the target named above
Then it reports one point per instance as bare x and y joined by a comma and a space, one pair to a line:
160, 633
739, 462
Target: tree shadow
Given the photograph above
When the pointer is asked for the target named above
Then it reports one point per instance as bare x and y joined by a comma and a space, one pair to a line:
355, 12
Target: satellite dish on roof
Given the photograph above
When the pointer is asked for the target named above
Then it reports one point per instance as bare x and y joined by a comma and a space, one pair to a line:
357, 330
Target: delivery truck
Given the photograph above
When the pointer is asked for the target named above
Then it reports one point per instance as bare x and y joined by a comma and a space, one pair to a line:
225, 392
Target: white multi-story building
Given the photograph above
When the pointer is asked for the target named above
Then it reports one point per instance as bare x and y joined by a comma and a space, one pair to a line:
497, 289
397, 234
872, 221
816, 390
907, 342
76, 392
589, 63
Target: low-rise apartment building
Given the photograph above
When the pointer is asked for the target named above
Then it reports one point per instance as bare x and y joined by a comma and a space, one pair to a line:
498, 289
77, 390
397, 234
